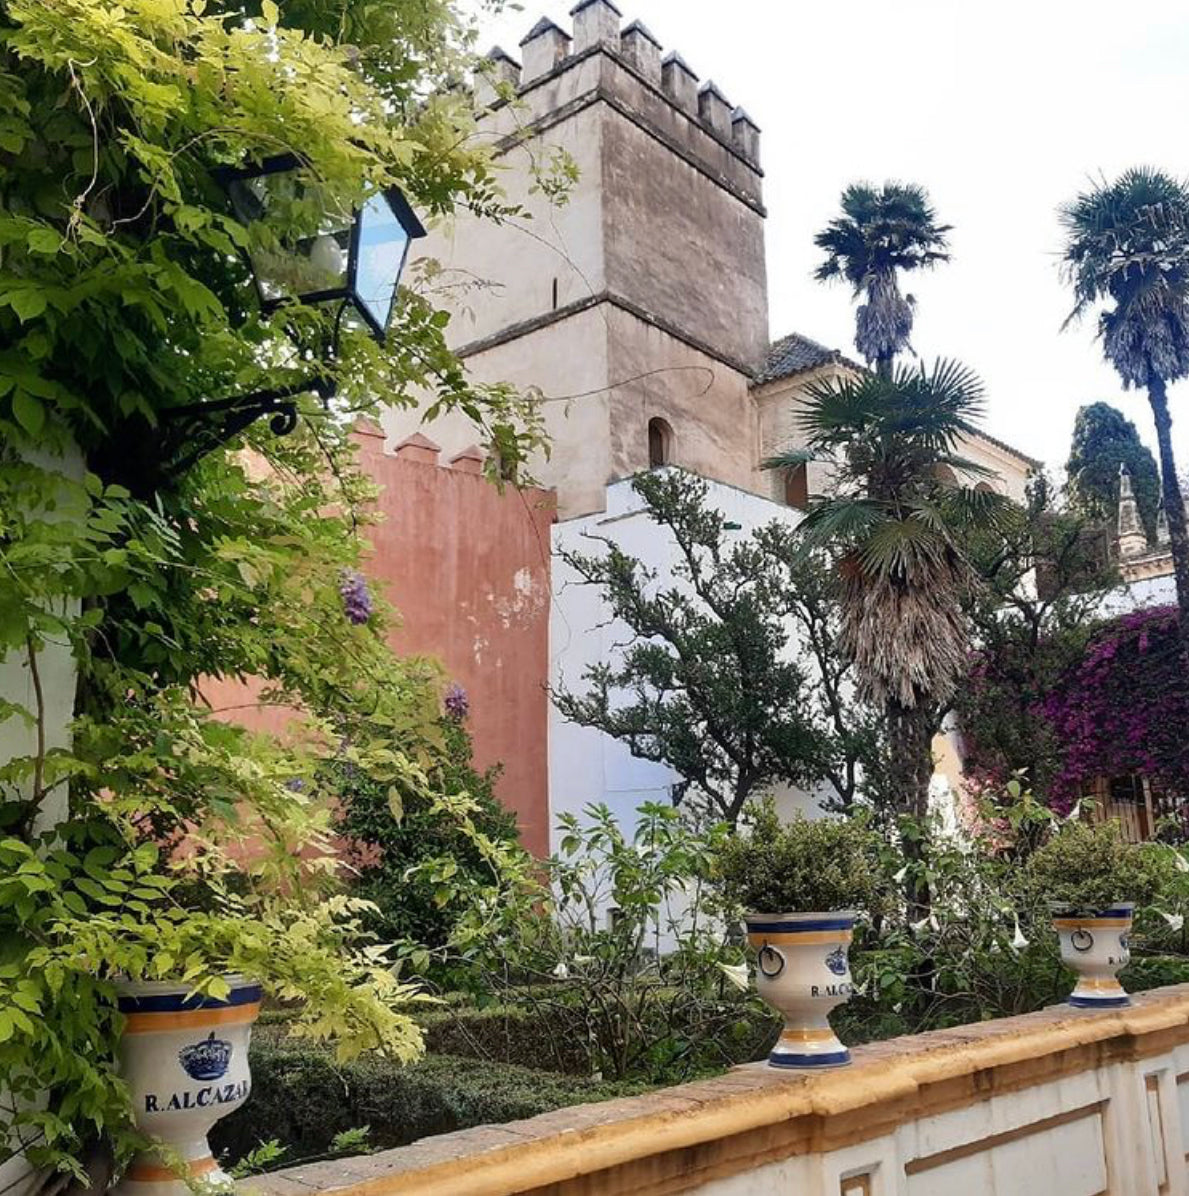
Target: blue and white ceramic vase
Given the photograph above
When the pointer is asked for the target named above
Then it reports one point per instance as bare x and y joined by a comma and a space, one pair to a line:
185, 1060
1096, 945
803, 972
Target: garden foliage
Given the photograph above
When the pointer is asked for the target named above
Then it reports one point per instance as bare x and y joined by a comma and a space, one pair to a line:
1123, 708
124, 295
390, 829
1087, 867
629, 948
1044, 573
302, 1099
802, 866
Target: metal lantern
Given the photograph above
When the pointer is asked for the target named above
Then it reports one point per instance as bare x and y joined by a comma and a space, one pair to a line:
311, 250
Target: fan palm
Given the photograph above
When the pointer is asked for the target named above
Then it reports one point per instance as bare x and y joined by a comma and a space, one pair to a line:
1127, 244
888, 441
882, 231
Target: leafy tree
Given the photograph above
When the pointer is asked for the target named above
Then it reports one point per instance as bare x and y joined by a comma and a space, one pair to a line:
713, 680
1103, 440
881, 232
805, 587
896, 527
1044, 572
1127, 243
124, 296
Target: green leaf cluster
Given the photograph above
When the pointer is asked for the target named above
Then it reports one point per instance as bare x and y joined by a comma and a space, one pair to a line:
1088, 866
802, 866
153, 837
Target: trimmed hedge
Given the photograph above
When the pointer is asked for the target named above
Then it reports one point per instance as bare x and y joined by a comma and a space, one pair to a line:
302, 1098
510, 1034
551, 1039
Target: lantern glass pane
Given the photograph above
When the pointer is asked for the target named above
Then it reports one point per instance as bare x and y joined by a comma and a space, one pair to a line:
383, 245
301, 242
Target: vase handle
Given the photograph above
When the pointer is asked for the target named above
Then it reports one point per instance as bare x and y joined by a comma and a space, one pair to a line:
767, 954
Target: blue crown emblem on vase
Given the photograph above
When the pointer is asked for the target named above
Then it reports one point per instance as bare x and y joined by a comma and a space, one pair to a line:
206, 1060
836, 961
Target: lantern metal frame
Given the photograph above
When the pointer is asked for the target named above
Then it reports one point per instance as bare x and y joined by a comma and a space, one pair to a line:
145, 457
406, 217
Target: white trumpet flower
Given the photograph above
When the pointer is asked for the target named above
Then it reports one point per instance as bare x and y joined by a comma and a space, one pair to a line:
1180, 861
737, 974
562, 972
1019, 942
899, 877
1175, 921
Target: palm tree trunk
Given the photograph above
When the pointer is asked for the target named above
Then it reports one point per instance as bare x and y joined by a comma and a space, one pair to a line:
1174, 503
910, 744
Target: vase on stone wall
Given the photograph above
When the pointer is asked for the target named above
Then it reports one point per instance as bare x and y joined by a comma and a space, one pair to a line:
1095, 945
185, 1060
803, 972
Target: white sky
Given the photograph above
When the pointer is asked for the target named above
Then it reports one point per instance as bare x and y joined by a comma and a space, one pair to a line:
1001, 110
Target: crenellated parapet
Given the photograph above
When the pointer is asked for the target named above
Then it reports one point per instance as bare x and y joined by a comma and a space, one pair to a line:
548, 50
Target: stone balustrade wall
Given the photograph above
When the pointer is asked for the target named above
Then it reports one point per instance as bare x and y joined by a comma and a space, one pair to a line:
1056, 1103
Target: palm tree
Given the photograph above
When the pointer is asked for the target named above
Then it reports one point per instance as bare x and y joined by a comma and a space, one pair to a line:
1127, 243
882, 231
888, 440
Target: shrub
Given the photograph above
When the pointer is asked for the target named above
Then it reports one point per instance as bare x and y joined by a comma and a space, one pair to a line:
552, 1038
303, 1100
1124, 708
1155, 971
803, 866
628, 945
390, 835
1091, 867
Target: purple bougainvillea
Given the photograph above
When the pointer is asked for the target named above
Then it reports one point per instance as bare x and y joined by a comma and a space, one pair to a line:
357, 602
1124, 709
457, 704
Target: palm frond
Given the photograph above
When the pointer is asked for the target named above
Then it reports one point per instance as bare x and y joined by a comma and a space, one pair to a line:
840, 520
930, 405
968, 507
789, 459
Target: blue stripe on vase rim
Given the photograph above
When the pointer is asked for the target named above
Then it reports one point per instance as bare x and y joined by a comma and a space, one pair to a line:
798, 923
186, 1001
1100, 1002
1123, 910
806, 1062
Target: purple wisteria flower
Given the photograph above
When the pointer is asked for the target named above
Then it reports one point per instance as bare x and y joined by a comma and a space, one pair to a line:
457, 704
357, 602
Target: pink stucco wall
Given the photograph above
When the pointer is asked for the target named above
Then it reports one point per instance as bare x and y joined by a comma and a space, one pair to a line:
468, 568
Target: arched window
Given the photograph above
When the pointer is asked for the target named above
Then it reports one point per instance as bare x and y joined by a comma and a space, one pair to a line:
660, 444
946, 476
796, 487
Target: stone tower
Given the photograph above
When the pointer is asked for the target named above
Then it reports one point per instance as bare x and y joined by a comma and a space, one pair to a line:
639, 306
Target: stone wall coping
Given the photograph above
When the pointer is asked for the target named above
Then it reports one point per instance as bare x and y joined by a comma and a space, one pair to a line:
760, 1108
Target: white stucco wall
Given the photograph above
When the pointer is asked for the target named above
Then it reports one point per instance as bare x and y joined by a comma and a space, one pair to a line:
1140, 595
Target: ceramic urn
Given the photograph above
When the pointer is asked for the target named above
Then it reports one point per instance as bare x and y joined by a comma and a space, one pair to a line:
803, 972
